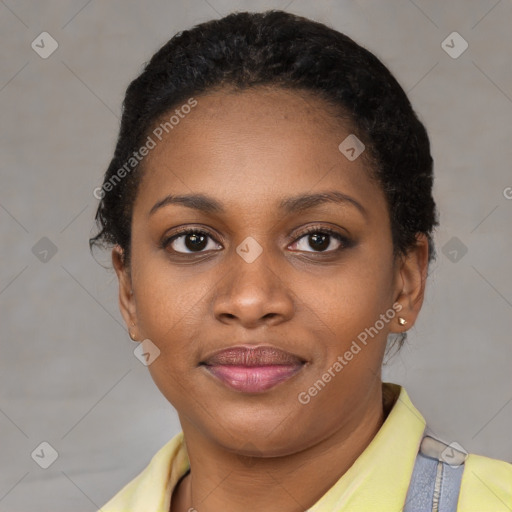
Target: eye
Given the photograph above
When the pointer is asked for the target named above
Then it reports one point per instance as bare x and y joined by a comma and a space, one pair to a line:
189, 241
320, 239
194, 240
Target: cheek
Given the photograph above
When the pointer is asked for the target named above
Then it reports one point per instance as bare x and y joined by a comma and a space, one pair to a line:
348, 297
170, 304
346, 309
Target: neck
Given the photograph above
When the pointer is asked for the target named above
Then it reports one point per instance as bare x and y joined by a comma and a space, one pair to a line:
220, 480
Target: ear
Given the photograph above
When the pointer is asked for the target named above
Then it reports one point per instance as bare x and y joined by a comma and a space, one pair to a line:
410, 284
126, 298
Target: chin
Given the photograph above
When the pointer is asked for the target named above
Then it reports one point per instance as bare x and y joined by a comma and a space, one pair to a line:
259, 433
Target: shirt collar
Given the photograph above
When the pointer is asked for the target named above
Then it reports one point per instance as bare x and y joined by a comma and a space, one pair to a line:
378, 479
380, 476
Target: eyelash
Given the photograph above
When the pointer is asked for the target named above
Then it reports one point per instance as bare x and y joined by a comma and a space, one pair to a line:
344, 241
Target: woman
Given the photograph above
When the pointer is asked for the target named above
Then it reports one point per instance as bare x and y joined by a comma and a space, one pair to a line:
270, 209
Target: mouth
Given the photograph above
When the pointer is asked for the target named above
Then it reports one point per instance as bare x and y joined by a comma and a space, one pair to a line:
253, 369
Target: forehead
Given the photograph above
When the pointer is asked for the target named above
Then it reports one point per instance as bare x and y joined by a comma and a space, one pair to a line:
254, 145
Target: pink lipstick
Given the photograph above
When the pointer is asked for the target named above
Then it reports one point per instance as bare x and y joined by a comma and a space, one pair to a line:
253, 369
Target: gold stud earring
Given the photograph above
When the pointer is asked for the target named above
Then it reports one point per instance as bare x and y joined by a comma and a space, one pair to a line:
402, 321
132, 336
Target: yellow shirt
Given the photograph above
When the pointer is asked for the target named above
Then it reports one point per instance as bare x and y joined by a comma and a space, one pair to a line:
377, 481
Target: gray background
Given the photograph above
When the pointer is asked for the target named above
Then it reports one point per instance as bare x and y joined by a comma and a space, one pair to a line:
68, 373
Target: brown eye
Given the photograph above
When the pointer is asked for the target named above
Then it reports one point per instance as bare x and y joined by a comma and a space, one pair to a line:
321, 240
190, 241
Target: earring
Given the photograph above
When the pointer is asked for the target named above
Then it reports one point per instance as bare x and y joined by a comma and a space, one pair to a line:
132, 336
402, 321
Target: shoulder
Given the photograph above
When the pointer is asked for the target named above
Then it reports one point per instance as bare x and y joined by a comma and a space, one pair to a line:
151, 489
486, 485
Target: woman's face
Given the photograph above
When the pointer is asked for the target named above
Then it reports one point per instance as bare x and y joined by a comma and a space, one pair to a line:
256, 278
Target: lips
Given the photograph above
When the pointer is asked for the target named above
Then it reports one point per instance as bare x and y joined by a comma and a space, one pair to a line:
252, 369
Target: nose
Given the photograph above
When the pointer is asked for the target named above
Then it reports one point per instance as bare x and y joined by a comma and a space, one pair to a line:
252, 294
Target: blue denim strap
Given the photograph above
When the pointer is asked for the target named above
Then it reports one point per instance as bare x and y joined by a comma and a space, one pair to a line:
435, 484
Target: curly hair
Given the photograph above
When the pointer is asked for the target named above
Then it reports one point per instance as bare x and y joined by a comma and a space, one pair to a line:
282, 50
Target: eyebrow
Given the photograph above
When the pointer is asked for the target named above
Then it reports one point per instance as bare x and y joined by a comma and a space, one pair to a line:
288, 205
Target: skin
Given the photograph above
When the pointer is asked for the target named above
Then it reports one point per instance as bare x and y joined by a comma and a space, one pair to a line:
249, 150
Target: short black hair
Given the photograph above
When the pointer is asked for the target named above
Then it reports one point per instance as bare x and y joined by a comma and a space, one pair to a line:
282, 50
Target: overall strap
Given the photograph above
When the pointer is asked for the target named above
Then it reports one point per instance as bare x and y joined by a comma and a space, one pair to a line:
436, 478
